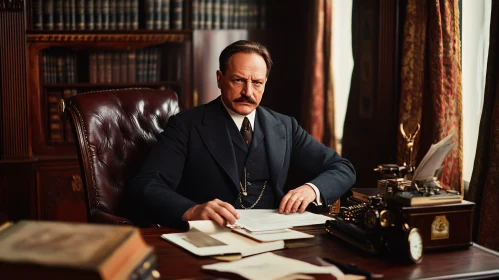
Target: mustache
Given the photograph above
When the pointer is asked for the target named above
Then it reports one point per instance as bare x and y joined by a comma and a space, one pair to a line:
245, 99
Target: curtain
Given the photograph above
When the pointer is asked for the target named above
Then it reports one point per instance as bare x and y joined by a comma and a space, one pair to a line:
484, 186
431, 83
318, 95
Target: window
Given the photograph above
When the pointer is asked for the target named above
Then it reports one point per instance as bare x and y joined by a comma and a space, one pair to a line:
342, 61
475, 46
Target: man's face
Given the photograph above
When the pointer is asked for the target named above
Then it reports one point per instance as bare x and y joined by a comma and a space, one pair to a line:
243, 84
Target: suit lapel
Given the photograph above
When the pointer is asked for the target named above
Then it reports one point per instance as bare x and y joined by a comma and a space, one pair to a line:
275, 144
215, 134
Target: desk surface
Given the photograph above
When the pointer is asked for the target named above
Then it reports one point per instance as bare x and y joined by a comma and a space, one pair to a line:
475, 262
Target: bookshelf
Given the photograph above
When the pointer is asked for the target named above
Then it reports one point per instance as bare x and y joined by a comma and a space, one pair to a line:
77, 46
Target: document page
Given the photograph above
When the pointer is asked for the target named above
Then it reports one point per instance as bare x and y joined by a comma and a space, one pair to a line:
269, 219
271, 266
434, 158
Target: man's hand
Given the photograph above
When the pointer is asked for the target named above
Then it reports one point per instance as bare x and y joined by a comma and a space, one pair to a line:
298, 198
215, 210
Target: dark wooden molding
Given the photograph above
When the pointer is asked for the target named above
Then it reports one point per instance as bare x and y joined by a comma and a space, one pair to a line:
12, 5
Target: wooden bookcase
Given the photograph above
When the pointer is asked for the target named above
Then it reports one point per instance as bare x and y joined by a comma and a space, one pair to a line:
56, 55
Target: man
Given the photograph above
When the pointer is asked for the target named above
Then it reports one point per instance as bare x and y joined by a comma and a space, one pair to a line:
231, 153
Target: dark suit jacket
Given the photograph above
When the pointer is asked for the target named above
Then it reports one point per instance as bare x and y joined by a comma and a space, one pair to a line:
194, 162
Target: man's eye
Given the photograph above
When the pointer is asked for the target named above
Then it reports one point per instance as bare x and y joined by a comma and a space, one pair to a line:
238, 80
258, 83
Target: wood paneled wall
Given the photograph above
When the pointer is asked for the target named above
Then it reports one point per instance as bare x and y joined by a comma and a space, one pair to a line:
13, 91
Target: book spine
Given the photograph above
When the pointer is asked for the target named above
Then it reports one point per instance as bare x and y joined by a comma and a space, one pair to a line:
92, 68
72, 12
201, 14
89, 14
108, 68
132, 66
55, 124
66, 6
60, 69
177, 14
48, 15
135, 14
208, 14
101, 76
149, 11
216, 14
165, 14
37, 14
112, 14
157, 14
128, 14
140, 66
120, 14
80, 14
225, 17
98, 14
235, 14
195, 14
116, 65
124, 67
105, 14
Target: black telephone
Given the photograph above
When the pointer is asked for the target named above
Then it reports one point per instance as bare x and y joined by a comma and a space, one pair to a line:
375, 227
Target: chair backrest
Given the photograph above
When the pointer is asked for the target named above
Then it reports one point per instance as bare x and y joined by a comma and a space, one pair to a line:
114, 131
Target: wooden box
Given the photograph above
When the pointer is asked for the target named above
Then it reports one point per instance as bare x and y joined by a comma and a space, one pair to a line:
442, 226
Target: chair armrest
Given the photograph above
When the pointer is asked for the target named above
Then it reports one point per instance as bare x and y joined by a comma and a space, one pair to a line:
101, 217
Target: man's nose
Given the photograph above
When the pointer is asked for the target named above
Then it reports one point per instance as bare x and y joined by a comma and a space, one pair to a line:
247, 89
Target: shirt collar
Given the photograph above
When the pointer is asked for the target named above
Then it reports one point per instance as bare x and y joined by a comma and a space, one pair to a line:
238, 119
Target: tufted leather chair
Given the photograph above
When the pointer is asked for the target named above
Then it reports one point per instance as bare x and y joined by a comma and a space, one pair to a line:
114, 131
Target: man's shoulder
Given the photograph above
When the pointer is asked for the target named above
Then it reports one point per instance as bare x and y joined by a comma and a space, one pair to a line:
273, 114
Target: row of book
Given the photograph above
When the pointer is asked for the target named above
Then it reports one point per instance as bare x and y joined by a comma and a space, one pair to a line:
58, 68
228, 14
148, 14
106, 14
125, 66
59, 131
107, 67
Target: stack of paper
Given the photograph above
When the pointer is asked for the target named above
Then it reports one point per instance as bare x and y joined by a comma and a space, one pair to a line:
255, 232
262, 220
205, 238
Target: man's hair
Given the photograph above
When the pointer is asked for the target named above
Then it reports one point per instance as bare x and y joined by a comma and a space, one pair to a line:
244, 47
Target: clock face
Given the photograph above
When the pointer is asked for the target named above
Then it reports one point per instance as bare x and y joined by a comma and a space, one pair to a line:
415, 245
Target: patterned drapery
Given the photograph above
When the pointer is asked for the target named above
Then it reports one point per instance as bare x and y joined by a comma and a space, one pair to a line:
484, 184
431, 82
318, 97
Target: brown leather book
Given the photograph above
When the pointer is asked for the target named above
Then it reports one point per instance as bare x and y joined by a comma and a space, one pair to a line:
62, 250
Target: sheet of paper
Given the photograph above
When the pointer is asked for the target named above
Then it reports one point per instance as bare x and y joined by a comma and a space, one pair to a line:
286, 234
434, 158
272, 266
270, 219
205, 238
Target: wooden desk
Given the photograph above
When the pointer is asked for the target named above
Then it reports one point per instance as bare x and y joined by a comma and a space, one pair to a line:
476, 262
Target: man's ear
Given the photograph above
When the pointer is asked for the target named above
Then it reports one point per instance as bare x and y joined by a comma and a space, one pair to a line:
219, 78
